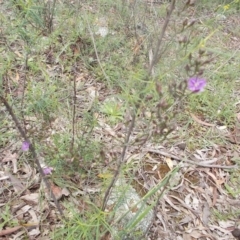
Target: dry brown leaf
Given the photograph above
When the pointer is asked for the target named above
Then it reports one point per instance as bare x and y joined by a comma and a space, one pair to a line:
34, 217
196, 234
106, 128
234, 137
215, 196
32, 198
57, 191
18, 235
206, 214
218, 181
34, 232
65, 192
187, 236
200, 121
9, 156
17, 185
16, 78
9, 230
169, 163
185, 220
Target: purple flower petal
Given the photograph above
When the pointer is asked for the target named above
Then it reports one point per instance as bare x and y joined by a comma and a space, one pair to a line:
25, 146
47, 170
196, 84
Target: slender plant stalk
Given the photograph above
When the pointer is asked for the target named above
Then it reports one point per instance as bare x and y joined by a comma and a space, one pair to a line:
157, 54
50, 15
97, 56
32, 149
154, 61
73, 115
23, 89
120, 161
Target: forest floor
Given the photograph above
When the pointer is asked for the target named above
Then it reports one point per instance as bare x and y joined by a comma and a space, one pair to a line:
72, 78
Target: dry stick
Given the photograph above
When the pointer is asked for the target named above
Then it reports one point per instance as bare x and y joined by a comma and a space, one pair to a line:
120, 162
169, 155
32, 149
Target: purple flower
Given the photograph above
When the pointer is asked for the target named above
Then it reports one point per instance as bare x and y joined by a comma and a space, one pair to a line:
25, 146
196, 84
47, 170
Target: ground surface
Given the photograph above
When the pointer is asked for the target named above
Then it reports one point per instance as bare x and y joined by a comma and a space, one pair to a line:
75, 105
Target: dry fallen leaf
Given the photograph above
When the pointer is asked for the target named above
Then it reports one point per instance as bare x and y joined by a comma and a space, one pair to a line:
9, 230
200, 121
169, 162
65, 192
17, 185
13, 157
57, 191
32, 198
206, 214
187, 236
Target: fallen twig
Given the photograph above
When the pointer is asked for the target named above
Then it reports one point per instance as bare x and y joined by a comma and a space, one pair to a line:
166, 154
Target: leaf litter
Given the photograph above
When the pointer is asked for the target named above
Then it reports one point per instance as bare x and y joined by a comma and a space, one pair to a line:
185, 212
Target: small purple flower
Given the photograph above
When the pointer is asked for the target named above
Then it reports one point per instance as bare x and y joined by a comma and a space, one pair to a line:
25, 146
196, 84
47, 170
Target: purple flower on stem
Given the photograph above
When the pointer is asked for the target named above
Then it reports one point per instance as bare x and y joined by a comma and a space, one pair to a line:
196, 84
25, 146
47, 170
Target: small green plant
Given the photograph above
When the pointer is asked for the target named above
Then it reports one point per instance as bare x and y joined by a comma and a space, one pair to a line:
113, 110
6, 217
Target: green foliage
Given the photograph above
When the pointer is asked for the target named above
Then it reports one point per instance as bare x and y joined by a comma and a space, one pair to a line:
90, 226
49, 57
113, 110
6, 218
42, 99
